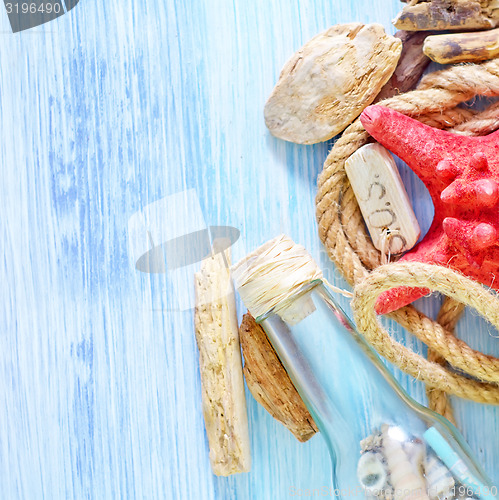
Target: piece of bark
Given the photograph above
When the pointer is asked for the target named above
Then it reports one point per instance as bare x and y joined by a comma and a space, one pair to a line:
329, 81
411, 65
269, 382
220, 363
462, 47
448, 15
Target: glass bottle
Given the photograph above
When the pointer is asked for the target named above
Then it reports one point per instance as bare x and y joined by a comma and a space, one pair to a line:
383, 444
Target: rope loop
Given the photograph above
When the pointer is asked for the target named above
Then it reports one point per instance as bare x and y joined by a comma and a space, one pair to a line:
456, 352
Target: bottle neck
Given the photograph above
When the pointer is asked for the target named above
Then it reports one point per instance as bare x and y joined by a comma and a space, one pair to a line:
356, 403
339, 376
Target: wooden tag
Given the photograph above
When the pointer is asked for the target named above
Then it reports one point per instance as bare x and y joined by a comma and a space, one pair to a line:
382, 199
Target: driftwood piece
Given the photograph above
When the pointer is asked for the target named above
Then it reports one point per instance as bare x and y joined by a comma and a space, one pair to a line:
220, 364
269, 382
329, 81
462, 47
448, 15
411, 65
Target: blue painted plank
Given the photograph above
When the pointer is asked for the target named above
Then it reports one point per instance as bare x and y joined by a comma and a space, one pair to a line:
104, 111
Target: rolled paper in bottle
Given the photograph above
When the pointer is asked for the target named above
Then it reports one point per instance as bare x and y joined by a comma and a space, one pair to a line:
453, 462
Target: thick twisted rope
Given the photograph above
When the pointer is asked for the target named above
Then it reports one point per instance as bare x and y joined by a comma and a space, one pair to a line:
481, 123
448, 316
453, 285
342, 231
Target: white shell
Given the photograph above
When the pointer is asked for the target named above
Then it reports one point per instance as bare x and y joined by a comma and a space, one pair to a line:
371, 472
406, 481
439, 481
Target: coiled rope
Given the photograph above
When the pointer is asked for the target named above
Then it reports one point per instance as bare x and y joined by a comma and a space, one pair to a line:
341, 229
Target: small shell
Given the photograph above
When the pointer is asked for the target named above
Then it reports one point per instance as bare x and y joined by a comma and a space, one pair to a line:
406, 481
371, 472
371, 443
439, 481
416, 452
329, 81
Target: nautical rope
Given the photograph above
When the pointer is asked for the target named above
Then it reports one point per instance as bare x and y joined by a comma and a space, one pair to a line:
455, 351
481, 123
342, 230
448, 316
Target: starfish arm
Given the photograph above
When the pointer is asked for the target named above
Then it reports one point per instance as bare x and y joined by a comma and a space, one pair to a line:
492, 139
394, 299
427, 251
462, 176
420, 146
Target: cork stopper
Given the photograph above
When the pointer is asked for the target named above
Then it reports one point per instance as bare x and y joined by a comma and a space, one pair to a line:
267, 277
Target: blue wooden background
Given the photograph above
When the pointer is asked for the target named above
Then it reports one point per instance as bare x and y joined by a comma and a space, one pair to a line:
104, 111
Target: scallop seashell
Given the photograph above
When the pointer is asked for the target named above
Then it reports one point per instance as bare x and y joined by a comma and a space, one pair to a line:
371, 472
406, 481
439, 481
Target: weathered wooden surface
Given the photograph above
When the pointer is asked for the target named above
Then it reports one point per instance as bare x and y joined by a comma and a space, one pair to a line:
448, 15
462, 47
105, 110
411, 65
220, 367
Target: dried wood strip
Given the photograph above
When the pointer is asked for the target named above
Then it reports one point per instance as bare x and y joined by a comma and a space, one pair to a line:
224, 403
448, 15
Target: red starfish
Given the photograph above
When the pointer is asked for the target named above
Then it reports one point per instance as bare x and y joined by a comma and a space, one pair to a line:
462, 176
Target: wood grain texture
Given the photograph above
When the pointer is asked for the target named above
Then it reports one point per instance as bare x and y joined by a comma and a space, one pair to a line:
105, 110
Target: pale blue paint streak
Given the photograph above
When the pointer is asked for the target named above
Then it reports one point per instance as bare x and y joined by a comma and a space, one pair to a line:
103, 111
